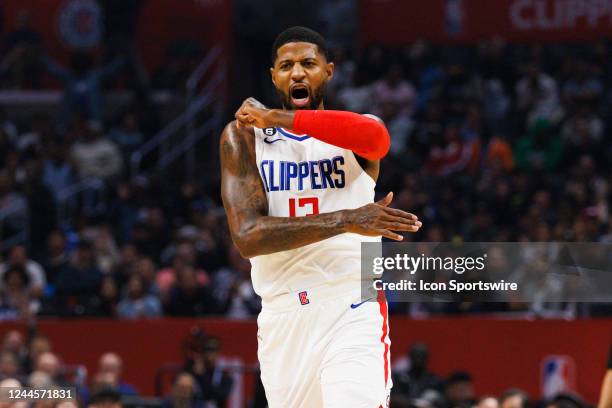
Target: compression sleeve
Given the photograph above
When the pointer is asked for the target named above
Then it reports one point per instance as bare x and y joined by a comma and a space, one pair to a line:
366, 137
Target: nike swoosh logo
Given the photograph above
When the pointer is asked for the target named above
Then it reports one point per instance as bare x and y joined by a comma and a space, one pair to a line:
271, 141
356, 305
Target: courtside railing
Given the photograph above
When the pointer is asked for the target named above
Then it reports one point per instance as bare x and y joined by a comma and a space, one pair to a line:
182, 144
18, 215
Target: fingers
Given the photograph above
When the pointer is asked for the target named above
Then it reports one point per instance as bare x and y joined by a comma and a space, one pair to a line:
399, 213
243, 119
256, 103
388, 234
401, 224
387, 200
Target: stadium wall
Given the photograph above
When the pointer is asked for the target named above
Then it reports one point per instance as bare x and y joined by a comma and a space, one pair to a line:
497, 352
473, 20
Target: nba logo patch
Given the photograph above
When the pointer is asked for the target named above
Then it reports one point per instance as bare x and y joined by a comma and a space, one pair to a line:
304, 298
558, 374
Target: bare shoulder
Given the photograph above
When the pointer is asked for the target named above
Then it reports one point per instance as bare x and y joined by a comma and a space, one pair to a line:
233, 133
236, 141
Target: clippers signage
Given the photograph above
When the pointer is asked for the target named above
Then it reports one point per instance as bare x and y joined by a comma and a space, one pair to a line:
69, 25
473, 20
80, 23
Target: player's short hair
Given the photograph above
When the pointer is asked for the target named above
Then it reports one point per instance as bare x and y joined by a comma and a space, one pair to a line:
300, 34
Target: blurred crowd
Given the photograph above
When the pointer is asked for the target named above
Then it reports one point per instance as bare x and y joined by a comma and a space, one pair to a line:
416, 386
200, 382
490, 142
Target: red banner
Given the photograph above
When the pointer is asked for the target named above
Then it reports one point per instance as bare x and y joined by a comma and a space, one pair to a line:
66, 25
400, 22
499, 353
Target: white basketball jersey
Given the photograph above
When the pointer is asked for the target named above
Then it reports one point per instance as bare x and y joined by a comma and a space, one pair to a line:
304, 176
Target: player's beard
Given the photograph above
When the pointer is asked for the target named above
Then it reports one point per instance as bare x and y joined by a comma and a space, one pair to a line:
315, 98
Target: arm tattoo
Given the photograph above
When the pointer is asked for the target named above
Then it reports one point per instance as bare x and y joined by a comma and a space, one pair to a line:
244, 198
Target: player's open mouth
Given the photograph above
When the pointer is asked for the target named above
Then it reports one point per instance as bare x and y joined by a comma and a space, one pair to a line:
300, 95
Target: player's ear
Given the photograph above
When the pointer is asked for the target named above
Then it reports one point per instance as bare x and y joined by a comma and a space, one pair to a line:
272, 75
329, 68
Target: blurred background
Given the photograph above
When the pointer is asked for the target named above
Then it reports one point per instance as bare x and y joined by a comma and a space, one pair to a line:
118, 274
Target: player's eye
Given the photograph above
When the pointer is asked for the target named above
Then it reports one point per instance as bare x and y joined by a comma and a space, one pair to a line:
285, 66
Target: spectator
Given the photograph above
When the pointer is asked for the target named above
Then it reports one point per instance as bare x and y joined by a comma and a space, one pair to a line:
16, 301
514, 398
102, 381
56, 259
105, 304
49, 364
41, 204
184, 255
9, 365
582, 135
13, 343
40, 379
459, 390
566, 400
137, 303
105, 397
95, 156
185, 393
128, 136
188, 297
539, 150
538, 97
129, 256
146, 269
487, 402
38, 345
21, 49
76, 285
14, 205
417, 378
18, 258
112, 363
498, 156
57, 173
232, 288
355, 96
394, 91
428, 399
214, 382
104, 245
453, 154
82, 84
583, 85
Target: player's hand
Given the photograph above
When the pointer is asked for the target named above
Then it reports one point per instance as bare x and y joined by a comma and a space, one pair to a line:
253, 113
378, 219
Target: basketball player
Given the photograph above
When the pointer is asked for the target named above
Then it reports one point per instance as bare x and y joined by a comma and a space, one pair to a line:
298, 188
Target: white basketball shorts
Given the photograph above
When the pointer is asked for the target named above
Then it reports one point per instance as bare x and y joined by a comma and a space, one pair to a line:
325, 348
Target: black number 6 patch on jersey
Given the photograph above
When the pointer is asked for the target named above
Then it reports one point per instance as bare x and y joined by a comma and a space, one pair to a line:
269, 131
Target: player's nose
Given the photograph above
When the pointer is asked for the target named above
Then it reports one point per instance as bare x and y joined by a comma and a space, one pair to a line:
297, 73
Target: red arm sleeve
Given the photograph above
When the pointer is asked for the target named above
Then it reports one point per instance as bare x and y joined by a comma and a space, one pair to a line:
366, 137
